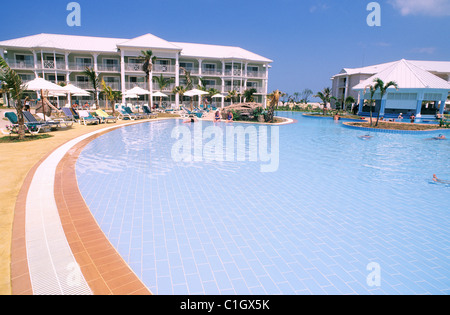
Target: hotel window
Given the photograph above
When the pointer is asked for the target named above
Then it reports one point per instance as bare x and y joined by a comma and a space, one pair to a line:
189, 66
209, 68
25, 60
209, 83
83, 62
111, 64
162, 65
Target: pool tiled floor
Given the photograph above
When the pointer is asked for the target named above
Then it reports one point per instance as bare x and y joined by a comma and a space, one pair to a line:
335, 205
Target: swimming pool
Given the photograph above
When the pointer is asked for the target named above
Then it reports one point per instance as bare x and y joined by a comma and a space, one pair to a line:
338, 216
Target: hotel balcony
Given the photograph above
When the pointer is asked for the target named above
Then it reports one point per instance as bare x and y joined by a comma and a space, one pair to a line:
22, 65
137, 67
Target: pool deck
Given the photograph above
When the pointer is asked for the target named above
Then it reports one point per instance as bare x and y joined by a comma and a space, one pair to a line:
83, 237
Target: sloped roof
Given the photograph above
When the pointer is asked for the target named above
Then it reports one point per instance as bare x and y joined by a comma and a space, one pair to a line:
407, 75
111, 45
65, 42
149, 40
218, 52
432, 66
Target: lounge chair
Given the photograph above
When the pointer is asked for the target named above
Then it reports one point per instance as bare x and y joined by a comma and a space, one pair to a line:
124, 115
32, 120
199, 114
137, 116
68, 112
105, 118
29, 127
60, 121
149, 113
86, 118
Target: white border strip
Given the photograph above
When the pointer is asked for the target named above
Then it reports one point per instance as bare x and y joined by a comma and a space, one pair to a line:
52, 266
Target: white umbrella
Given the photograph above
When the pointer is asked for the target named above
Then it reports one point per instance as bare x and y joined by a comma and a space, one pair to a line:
218, 96
159, 94
195, 92
40, 84
129, 95
138, 91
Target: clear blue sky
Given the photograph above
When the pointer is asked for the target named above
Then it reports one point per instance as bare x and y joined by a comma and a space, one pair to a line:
309, 40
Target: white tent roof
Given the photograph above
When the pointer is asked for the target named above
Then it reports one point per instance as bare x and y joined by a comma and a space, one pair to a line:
159, 94
407, 76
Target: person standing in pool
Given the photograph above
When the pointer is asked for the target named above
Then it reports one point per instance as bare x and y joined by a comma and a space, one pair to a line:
217, 116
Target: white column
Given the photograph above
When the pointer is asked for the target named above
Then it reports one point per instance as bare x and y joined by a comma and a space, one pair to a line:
95, 62
122, 75
200, 70
54, 65
223, 87
347, 84
35, 63
42, 64
177, 79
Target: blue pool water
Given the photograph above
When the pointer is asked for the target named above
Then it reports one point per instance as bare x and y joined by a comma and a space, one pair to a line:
338, 216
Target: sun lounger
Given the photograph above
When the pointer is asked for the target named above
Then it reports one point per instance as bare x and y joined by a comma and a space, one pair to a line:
29, 127
137, 116
149, 113
32, 120
60, 121
105, 118
69, 113
86, 118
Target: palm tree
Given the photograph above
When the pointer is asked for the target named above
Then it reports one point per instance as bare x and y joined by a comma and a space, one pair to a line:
274, 99
180, 90
187, 75
15, 87
162, 83
4, 90
232, 96
348, 101
95, 81
109, 94
248, 94
371, 101
306, 94
379, 85
147, 66
326, 98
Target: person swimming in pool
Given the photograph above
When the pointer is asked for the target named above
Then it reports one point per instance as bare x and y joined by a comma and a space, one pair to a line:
440, 181
441, 137
192, 119
366, 137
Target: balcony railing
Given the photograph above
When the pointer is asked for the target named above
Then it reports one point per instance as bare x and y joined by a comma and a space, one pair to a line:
80, 66
108, 68
50, 64
164, 68
256, 74
22, 65
211, 72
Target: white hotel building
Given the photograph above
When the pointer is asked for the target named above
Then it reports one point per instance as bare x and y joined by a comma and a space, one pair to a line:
63, 58
423, 87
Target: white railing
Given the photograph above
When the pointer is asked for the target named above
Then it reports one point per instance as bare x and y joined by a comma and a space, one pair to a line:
256, 74
79, 66
108, 68
211, 72
21, 65
133, 67
164, 68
